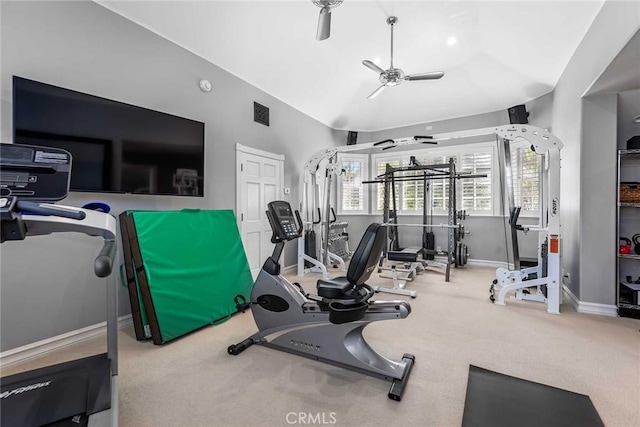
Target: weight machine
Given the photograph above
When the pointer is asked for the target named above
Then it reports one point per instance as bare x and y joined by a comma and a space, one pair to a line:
547, 274
319, 218
545, 277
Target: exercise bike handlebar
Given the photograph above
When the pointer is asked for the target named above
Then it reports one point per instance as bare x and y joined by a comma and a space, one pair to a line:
299, 221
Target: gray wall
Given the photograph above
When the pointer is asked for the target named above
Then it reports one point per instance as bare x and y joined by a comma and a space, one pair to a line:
598, 206
487, 238
612, 28
48, 287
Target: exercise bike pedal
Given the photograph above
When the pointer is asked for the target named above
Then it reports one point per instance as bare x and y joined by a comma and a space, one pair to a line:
236, 349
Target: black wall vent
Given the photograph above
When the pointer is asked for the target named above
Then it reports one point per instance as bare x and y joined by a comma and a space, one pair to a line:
260, 114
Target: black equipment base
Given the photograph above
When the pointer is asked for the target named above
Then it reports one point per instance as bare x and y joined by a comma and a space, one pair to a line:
57, 392
495, 400
628, 310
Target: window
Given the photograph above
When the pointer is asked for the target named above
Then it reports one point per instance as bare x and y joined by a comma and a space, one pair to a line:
440, 187
525, 169
478, 196
475, 194
381, 165
351, 192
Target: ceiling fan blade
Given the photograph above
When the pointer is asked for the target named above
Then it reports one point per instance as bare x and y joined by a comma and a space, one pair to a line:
372, 66
376, 92
425, 76
324, 24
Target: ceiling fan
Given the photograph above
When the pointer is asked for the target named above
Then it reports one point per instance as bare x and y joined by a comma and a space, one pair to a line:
395, 76
324, 20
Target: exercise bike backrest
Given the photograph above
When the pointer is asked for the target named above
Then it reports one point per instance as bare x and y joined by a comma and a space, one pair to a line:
365, 259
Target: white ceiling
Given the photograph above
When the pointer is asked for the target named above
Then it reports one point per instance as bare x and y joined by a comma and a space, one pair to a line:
506, 53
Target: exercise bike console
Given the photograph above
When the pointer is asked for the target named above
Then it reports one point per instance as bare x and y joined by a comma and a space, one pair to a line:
282, 221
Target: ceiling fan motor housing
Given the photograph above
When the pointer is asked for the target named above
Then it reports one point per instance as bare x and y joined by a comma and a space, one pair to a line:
392, 77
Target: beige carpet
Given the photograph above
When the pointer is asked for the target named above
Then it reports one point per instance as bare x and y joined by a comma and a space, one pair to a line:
194, 382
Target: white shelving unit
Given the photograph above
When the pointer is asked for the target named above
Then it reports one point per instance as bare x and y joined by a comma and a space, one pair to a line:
628, 225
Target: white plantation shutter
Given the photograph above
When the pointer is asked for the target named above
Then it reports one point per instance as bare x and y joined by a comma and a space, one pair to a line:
440, 187
352, 191
381, 165
413, 191
525, 167
476, 192
475, 195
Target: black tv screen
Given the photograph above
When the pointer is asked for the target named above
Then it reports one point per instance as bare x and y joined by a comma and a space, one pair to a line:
116, 147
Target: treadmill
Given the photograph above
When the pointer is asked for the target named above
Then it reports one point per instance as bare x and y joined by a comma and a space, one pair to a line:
82, 392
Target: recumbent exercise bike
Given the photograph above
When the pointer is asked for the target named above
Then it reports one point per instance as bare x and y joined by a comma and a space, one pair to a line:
326, 327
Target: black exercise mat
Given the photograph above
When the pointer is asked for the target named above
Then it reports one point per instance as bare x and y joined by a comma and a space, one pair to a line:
495, 400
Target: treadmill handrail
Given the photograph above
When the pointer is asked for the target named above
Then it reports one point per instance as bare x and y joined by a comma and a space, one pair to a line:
103, 264
95, 223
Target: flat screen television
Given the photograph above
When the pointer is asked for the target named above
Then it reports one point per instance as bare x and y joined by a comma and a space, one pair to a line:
116, 147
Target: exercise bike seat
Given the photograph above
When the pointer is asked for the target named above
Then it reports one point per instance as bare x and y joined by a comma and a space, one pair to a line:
363, 262
333, 288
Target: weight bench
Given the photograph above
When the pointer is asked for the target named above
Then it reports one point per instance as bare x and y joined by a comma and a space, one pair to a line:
411, 264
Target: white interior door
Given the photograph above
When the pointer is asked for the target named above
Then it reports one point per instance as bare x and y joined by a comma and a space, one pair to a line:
259, 181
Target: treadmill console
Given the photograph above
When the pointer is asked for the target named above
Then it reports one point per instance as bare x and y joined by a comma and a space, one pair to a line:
283, 221
39, 174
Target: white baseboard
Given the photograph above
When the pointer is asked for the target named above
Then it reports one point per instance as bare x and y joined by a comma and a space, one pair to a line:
290, 268
478, 262
29, 351
487, 263
589, 307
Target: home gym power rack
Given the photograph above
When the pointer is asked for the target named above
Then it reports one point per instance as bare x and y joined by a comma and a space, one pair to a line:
456, 250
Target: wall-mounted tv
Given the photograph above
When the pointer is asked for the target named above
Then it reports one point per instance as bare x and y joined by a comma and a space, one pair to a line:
116, 147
